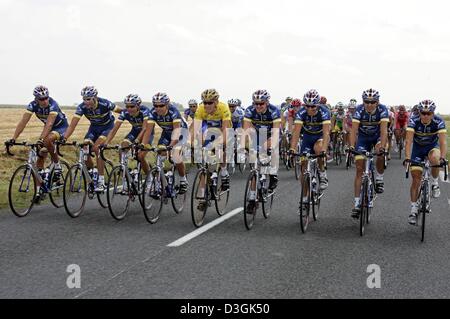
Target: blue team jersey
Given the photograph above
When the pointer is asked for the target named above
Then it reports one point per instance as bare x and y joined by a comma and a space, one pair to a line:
264, 120
166, 121
43, 112
426, 134
138, 120
313, 125
369, 124
100, 115
237, 117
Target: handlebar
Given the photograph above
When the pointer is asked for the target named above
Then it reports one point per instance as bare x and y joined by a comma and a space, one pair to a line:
9, 145
444, 164
59, 144
307, 155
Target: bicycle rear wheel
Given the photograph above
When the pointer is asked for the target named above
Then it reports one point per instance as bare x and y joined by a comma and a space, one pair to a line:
249, 216
153, 197
118, 193
102, 197
179, 200
305, 200
22, 191
298, 167
423, 208
56, 192
75, 191
199, 202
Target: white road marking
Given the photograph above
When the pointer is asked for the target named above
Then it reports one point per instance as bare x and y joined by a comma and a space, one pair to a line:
205, 228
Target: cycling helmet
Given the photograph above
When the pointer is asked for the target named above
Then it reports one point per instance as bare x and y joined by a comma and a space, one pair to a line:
261, 96
296, 103
312, 97
89, 91
234, 102
239, 102
41, 92
340, 106
132, 99
210, 95
289, 99
427, 106
192, 102
160, 98
352, 104
371, 95
402, 108
323, 100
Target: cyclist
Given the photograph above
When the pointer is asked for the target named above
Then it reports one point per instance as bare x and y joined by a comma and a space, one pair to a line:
263, 116
55, 124
99, 112
314, 122
137, 115
391, 128
348, 121
190, 112
401, 122
285, 105
174, 131
237, 113
288, 117
414, 111
370, 124
337, 122
212, 115
426, 135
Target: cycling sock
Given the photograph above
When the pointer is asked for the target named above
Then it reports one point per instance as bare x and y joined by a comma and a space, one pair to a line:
434, 181
201, 192
357, 201
224, 172
101, 179
252, 195
183, 178
380, 177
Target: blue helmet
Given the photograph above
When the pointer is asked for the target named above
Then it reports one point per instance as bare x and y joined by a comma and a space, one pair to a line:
371, 95
311, 97
261, 96
132, 99
161, 98
427, 106
41, 92
89, 91
192, 102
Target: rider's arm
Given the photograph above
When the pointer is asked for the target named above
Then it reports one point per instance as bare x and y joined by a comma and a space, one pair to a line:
72, 126
296, 134
225, 125
175, 134
326, 136
22, 124
443, 141
148, 131
409, 142
384, 133
354, 132
140, 137
48, 125
113, 132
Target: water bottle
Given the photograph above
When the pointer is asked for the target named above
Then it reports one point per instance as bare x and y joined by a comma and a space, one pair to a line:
214, 178
95, 175
45, 174
135, 175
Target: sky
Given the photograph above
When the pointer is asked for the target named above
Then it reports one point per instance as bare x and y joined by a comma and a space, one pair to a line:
401, 48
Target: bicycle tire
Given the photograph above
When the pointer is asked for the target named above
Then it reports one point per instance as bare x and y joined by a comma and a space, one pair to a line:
178, 201
153, 203
14, 207
74, 172
423, 209
101, 197
115, 180
249, 217
221, 198
53, 197
364, 206
304, 213
198, 216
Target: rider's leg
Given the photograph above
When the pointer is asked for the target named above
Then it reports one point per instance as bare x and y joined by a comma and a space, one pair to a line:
435, 156
416, 173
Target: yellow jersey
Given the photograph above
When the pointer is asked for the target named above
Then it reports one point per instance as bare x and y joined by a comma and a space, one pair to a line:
215, 119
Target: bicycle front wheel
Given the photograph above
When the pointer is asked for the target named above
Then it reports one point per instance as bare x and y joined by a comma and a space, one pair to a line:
221, 198
305, 201
199, 199
102, 197
250, 212
178, 200
56, 192
118, 193
75, 191
153, 197
364, 206
22, 191
423, 208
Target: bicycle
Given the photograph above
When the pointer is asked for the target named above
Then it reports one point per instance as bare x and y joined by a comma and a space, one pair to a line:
238, 155
368, 194
424, 191
401, 143
258, 181
159, 187
80, 183
212, 191
22, 190
124, 184
284, 150
337, 147
310, 190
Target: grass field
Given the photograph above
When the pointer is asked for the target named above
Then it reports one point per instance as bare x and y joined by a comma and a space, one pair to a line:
11, 117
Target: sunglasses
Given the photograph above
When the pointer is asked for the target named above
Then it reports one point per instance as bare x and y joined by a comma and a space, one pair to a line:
159, 106
130, 106
191, 106
426, 113
370, 102
43, 99
260, 104
88, 99
310, 106
208, 103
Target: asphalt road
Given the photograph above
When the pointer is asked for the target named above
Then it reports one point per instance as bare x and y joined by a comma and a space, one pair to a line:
131, 259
